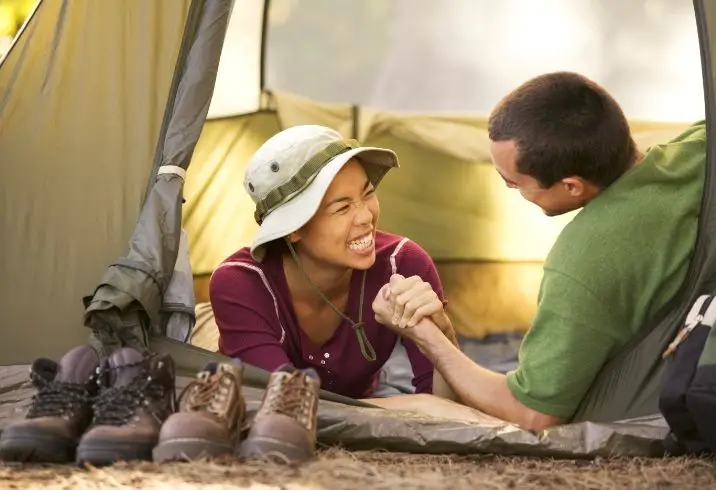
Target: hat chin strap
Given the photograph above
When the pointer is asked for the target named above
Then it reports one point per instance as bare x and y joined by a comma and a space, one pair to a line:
365, 346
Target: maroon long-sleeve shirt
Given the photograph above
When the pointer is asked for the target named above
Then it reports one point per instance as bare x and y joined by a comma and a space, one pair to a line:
257, 323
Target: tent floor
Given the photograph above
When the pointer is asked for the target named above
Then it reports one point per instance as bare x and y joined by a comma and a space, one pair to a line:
378, 471
361, 428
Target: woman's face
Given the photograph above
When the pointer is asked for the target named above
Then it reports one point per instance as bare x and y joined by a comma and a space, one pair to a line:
342, 232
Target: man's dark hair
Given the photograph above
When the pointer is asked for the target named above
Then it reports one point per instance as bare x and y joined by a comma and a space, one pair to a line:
564, 125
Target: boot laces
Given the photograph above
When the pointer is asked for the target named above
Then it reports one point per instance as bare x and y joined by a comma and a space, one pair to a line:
205, 393
289, 395
56, 398
118, 404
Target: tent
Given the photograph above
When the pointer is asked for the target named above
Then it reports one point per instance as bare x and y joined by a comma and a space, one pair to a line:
103, 106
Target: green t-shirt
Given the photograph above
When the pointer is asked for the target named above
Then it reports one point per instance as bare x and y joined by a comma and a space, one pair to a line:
621, 258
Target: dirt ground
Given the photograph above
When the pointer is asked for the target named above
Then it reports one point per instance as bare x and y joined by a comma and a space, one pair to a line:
337, 469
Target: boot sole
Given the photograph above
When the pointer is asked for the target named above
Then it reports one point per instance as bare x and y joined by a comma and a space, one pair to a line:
273, 450
105, 453
26, 445
190, 449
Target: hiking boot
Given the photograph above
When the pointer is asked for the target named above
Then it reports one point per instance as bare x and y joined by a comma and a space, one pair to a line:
60, 411
284, 428
208, 423
136, 396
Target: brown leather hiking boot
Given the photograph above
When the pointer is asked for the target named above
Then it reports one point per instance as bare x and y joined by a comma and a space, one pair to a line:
137, 396
208, 423
284, 428
60, 411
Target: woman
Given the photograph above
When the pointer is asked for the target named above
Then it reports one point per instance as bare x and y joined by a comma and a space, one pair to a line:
302, 293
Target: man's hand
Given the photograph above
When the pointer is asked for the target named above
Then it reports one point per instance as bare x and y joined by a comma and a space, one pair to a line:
412, 300
402, 303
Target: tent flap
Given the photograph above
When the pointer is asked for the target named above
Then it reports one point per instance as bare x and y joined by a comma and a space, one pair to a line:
142, 276
82, 95
119, 312
178, 310
196, 86
154, 246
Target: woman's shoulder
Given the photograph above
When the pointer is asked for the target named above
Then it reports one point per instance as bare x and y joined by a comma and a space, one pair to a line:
238, 268
241, 279
399, 250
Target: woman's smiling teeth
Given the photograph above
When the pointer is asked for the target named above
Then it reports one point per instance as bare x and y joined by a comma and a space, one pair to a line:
361, 243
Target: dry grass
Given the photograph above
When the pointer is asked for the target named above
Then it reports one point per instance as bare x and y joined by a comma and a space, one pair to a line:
337, 469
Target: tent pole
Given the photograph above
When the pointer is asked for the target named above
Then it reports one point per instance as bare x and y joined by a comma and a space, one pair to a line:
264, 42
355, 119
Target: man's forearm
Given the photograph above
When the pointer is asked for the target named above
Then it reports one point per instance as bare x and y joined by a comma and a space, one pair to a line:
442, 320
442, 388
476, 386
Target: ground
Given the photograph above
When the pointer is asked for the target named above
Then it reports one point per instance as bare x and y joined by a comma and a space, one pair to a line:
337, 469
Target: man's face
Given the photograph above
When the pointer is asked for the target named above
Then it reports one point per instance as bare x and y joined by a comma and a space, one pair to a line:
563, 197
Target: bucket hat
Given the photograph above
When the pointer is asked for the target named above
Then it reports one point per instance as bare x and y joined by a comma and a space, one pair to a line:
289, 174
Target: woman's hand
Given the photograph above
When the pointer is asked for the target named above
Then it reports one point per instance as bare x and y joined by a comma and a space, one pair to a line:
412, 299
382, 307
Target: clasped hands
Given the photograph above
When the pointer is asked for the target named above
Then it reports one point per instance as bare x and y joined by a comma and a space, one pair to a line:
403, 302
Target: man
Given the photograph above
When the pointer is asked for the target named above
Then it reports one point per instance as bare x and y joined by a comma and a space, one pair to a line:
564, 143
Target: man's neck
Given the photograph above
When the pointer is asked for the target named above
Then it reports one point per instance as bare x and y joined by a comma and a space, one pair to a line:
333, 282
637, 159
594, 191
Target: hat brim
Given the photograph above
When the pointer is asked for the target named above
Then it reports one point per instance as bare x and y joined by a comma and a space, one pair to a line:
298, 211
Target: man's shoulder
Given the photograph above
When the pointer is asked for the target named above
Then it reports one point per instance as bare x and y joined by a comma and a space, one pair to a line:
644, 207
681, 159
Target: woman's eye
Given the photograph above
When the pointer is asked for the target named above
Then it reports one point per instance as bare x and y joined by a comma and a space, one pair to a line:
369, 192
342, 209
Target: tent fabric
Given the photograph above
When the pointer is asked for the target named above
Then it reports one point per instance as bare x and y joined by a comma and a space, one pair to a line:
431, 425
205, 333
81, 104
463, 137
462, 56
126, 307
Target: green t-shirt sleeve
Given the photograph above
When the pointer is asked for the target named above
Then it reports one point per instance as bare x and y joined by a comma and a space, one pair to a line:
571, 338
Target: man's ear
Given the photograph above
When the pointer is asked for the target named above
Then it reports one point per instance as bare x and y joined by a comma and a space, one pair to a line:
576, 186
